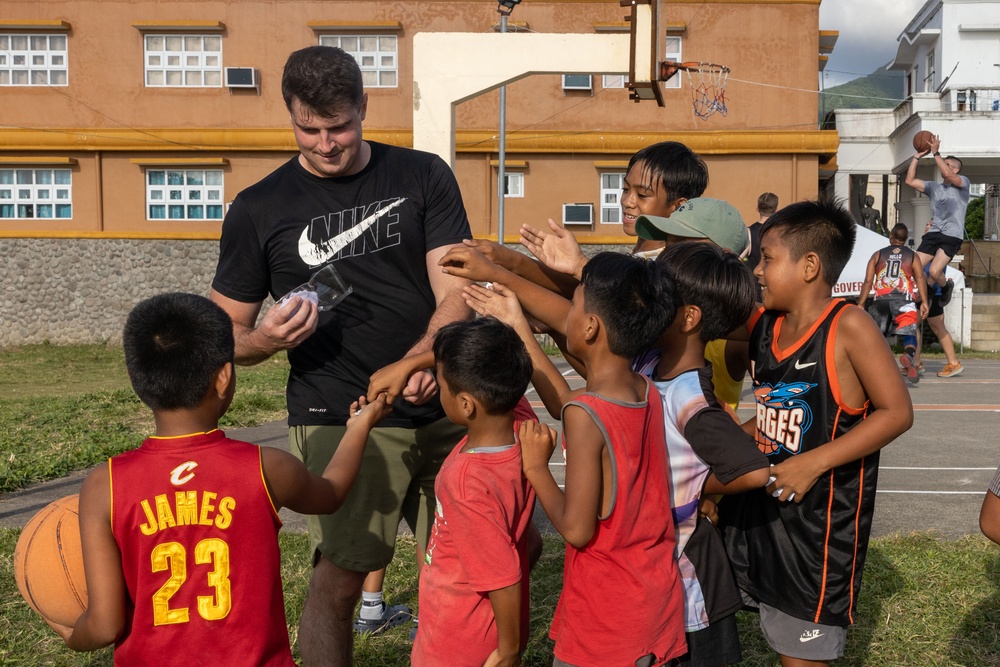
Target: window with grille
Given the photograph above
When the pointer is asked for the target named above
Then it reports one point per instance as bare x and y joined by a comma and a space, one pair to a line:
376, 56
36, 194
611, 193
183, 61
33, 60
184, 194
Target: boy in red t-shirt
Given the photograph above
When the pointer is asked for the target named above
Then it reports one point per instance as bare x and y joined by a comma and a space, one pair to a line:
622, 599
180, 536
474, 583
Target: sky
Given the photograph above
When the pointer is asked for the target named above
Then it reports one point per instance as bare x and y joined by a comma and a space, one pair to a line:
868, 32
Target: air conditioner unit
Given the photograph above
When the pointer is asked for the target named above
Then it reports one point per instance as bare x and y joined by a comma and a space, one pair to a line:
578, 214
576, 82
242, 77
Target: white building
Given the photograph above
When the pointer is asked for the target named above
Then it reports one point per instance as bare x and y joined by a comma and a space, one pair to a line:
950, 55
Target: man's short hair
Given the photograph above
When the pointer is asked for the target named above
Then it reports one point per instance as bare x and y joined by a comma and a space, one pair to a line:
485, 358
674, 167
715, 280
824, 227
767, 203
324, 78
174, 344
634, 298
952, 157
900, 232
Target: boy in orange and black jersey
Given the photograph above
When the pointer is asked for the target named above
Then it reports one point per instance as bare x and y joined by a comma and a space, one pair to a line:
180, 536
829, 397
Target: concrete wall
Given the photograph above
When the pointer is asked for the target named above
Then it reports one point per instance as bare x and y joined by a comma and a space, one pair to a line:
67, 291
80, 290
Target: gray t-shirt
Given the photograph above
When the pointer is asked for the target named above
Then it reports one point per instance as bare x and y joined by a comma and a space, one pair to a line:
948, 205
995, 484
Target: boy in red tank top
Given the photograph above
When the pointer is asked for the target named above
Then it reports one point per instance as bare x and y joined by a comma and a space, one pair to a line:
180, 536
622, 598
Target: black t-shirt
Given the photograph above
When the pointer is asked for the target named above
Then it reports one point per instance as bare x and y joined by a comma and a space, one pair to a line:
376, 227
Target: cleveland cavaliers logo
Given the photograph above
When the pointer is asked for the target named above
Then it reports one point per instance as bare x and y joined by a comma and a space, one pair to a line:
183, 473
782, 416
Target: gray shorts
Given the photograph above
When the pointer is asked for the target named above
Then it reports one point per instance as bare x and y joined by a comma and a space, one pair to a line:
396, 481
800, 639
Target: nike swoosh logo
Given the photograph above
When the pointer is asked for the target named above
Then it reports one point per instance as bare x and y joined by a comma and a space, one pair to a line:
809, 639
314, 254
799, 366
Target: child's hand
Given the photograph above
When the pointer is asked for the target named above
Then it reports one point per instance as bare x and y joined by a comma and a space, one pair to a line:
390, 380
498, 301
366, 414
708, 509
793, 477
556, 249
468, 263
496, 661
538, 441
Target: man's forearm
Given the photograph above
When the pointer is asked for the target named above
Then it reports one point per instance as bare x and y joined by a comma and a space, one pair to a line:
451, 309
251, 346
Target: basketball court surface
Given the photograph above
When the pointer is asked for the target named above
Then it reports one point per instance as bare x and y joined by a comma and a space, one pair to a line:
932, 478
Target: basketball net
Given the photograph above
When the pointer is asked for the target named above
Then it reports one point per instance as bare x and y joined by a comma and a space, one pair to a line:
707, 82
708, 88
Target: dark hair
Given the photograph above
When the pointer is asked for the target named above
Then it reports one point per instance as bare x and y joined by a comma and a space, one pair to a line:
715, 280
952, 157
174, 344
324, 78
485, 358
900, 232
767, 203
823, 226
680, 171
634, 298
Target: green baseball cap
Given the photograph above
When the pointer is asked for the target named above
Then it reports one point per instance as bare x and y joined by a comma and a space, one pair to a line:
700, 218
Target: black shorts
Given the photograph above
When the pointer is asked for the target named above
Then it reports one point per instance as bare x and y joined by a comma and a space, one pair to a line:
718, 644
935, 308
934, 241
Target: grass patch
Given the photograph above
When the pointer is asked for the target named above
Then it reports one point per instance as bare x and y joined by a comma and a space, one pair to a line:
923, 602
69, 408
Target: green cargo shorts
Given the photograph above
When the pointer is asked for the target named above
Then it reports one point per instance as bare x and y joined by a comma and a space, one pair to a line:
396, 481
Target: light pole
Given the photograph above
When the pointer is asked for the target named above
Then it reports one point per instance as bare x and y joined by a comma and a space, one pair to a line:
504, 9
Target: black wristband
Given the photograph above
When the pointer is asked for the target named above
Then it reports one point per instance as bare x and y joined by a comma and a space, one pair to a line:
937, 153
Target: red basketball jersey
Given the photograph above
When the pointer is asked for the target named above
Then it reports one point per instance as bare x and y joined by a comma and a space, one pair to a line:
198, 535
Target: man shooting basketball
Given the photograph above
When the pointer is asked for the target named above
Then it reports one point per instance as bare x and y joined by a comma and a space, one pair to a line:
948, 203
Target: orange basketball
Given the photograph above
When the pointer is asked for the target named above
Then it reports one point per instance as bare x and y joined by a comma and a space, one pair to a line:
48, 562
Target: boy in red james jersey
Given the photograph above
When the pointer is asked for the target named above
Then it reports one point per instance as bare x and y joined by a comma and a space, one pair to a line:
829, 397
622, 599
180, 536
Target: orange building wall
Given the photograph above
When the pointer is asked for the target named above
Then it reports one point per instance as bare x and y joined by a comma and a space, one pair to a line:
106, 119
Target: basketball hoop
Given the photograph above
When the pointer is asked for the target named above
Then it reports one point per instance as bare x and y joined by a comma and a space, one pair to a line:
707, 82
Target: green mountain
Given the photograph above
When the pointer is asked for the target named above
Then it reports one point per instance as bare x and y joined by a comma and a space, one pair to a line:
882, 89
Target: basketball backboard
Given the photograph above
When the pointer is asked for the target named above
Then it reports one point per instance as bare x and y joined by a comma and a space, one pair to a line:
646, 49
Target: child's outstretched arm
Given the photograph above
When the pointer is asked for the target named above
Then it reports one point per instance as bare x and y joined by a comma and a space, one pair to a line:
502, 304
104, 618
547, 307
573, 512
293, 486
506, 603
868, 361
392, 379
524, 266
